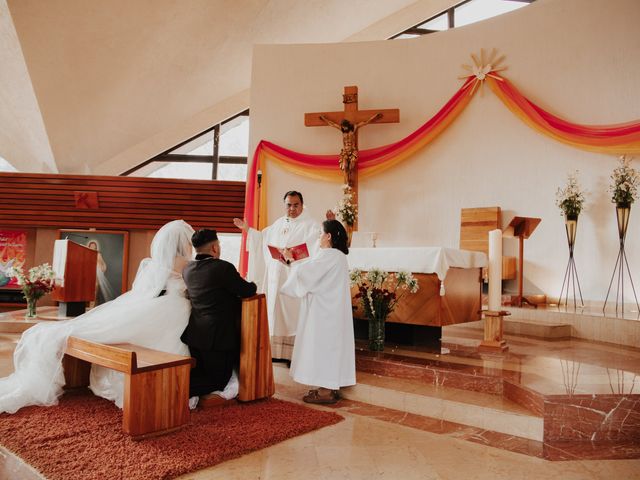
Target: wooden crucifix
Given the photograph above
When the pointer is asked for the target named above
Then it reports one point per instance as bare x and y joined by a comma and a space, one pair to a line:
348, 122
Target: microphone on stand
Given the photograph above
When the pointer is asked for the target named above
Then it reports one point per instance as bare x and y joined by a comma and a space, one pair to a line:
259, 178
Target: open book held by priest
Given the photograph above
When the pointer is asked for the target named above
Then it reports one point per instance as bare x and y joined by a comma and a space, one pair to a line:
298, 252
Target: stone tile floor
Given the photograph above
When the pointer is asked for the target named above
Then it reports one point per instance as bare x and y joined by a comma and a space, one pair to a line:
371, 446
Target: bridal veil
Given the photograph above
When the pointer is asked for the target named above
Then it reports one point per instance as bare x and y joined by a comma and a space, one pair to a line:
139, 316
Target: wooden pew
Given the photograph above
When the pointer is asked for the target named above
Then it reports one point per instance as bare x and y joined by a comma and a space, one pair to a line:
156, 387
156, 396
256, 370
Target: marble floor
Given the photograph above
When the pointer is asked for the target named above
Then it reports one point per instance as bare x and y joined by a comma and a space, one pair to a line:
558, 367
368, 445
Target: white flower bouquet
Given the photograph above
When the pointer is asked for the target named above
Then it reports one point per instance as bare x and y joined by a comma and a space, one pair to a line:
626, 179
346, 210
570, 199
38, 282
379, 292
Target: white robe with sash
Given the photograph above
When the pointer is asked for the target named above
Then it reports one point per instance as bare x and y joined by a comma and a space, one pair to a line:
324, 352
270, 274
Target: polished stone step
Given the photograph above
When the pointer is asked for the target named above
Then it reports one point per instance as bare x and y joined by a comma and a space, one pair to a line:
589, 323
476, 409
482, 410
526, 327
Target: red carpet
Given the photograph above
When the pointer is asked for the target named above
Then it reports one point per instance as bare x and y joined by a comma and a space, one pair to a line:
82, 438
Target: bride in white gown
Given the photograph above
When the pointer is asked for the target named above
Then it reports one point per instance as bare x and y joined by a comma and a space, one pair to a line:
141, 316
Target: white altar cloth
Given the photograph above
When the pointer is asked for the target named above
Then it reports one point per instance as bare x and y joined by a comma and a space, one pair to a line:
415, 259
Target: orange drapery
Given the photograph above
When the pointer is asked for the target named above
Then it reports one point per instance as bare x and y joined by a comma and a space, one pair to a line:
614, 139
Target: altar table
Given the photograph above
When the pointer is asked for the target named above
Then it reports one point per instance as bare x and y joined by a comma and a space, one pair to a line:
450, 282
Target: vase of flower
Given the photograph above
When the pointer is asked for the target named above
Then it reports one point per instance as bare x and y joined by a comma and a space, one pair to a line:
623, 211
570, 201
379, 293
31, 308
37, 283
624, 191
376, 333
571, 227
347, 211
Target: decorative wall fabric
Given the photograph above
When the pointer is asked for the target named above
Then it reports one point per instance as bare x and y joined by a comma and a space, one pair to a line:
614, 139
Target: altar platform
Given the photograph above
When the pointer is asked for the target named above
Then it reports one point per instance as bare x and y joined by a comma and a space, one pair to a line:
554, 398
551, 398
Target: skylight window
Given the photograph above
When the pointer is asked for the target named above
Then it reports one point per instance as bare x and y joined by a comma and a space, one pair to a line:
463, 13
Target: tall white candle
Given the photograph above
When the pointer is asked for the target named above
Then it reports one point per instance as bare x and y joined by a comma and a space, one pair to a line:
495, 270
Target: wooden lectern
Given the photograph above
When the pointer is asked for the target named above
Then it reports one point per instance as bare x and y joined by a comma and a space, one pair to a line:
75, 269
256, 370
522, 227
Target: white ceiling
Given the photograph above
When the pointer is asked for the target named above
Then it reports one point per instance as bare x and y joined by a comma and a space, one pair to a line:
99, 87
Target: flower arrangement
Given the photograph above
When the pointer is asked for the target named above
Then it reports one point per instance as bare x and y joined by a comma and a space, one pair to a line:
626, 179
37, 283
346, 210
379, 292
570, 199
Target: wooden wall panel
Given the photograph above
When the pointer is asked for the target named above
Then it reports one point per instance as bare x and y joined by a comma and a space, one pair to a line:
475, 225
83, 201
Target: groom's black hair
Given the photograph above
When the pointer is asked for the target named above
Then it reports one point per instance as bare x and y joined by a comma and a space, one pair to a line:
202, 237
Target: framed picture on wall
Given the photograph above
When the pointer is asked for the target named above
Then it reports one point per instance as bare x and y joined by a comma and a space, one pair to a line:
113, 259
13, 253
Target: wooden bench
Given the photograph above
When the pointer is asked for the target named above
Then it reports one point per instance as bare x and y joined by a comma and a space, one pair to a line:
156, 385
156, 388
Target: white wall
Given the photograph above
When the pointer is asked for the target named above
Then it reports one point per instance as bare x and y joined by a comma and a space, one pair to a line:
577, 58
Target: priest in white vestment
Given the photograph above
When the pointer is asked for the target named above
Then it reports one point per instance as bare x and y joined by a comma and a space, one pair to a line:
293, 229
324, 352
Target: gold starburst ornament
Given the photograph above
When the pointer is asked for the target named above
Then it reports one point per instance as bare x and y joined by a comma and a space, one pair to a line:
483, 67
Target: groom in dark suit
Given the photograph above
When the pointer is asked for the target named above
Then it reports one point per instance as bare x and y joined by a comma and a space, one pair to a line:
213, 335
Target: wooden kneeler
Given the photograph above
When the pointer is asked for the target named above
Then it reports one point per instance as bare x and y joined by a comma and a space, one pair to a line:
156, 385
256, 370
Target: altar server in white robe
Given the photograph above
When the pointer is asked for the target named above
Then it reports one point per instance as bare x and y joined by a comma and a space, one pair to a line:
291, 230
324, 352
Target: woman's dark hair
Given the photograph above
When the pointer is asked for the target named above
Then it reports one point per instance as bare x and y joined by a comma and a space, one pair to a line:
338, 235
293, 193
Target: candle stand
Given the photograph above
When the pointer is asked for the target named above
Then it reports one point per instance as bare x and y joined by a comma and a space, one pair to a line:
493, 340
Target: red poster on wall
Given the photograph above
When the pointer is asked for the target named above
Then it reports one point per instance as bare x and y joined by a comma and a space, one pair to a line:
13, 253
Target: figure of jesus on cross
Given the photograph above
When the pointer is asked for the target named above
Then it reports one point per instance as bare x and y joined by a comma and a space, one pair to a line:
348, 122
349, 152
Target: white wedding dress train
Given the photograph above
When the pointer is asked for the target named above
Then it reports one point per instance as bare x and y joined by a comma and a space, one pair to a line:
155, 323
140, 316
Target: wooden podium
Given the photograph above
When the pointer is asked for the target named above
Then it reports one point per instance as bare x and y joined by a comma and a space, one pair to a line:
256, 369
522, 227
75, 268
